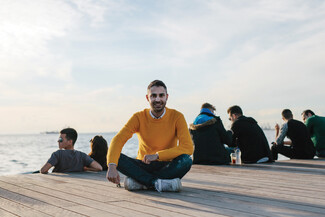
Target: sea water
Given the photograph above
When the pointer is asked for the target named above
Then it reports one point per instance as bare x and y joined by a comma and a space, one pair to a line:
28, 153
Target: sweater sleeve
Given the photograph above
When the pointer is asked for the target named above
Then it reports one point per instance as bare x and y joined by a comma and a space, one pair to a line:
121, 138
185, 144
283, 134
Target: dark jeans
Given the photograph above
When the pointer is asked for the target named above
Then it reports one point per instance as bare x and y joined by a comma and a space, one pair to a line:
284, 150
147, 174
320, 153
289, 152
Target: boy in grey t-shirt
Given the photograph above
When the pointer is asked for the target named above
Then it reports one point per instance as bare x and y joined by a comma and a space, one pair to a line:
69, 160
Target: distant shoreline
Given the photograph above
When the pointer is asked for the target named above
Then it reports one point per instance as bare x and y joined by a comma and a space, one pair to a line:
27, 134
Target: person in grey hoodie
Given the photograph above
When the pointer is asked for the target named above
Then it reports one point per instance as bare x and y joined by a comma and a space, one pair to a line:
249, 137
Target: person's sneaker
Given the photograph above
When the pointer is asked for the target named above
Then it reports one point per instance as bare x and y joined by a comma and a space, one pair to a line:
132, 185
263, 160
168, 185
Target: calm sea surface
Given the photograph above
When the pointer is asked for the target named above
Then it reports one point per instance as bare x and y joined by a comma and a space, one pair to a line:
28, 153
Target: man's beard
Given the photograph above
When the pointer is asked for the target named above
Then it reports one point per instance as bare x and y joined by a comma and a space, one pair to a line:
160, 108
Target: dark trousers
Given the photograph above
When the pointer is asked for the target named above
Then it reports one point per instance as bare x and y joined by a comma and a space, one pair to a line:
289, 152
320, 153
147, 174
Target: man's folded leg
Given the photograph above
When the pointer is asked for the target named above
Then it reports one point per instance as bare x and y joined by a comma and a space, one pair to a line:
132, 168
162, 175
177, 168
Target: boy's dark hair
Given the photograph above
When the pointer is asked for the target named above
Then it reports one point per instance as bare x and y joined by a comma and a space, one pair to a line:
235, 110
157, 83
208, 106
70, 134
307, 112
287, 114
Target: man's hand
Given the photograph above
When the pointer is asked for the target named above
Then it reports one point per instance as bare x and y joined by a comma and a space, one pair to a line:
112, 174
150, 157
277, 127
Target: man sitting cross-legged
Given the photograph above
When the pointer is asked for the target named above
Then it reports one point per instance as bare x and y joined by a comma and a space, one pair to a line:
164, 151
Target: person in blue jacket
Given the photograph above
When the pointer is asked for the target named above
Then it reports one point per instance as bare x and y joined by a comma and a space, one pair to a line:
209, 137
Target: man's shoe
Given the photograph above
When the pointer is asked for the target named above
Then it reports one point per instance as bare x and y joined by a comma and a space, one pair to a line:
174, 185
263, 160
132, 185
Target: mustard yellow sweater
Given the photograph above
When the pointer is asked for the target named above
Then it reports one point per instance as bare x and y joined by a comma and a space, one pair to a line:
168, 136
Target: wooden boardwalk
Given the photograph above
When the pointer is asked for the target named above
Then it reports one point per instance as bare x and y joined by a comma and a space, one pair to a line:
286, 188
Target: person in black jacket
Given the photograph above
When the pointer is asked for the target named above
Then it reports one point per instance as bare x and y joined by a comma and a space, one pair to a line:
300, 145
249, 137
209, 136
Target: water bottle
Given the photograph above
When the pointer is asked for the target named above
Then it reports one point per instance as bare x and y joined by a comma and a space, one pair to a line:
238, 156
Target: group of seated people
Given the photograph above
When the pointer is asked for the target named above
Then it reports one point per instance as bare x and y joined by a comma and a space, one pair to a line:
209, 136
166, 144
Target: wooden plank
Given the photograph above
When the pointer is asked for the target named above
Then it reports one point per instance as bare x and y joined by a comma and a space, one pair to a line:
6, 213
47, 196
292, 188
289, 187
270, 178
11, 208
204, 196
148, 208
257, 200
261, 179
125, 195
209, 200
19, 204
241, 189
262, 185
99, 193
120, 195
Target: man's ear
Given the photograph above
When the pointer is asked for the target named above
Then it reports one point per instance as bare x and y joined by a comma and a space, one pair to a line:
70, 142
147, 97
167, 96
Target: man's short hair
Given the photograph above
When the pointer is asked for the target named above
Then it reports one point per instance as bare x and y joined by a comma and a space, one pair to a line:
157, 83
70, 134
287, 114
208, 106
235, 110
307, 112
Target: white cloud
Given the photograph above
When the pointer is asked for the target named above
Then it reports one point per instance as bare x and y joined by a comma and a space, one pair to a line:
262, 55
98, 10
26, 28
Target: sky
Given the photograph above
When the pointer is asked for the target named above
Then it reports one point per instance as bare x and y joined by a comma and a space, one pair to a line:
86, 64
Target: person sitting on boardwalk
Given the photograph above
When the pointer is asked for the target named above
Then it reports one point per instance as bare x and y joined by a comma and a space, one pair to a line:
300, 146
165, 146
209, 137
316, 127
69, 159
249, 137
98, 146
